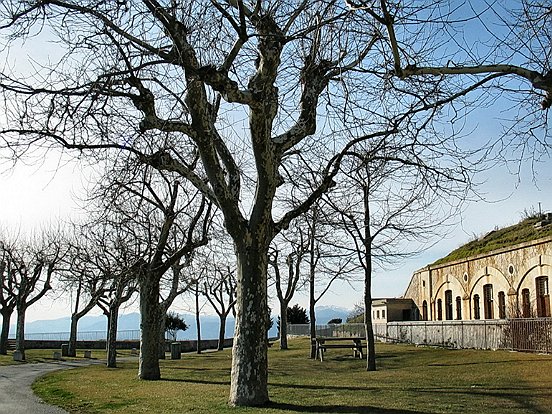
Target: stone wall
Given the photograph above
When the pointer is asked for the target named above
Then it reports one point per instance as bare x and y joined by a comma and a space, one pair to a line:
508, 271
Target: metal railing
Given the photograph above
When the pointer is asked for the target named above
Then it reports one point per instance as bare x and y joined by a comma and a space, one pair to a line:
332, 330
125, 335
530, 335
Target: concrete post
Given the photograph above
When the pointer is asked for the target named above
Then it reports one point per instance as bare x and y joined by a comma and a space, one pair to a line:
17, 356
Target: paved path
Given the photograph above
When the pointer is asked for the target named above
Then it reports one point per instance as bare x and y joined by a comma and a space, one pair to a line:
16, 396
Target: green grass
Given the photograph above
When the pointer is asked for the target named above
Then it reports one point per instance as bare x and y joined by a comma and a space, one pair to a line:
46, 355
408, 380
522, 232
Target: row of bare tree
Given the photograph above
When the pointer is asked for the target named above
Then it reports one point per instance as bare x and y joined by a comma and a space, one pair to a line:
265, 106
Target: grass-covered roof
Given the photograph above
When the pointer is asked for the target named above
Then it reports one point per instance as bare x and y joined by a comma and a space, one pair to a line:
522, 232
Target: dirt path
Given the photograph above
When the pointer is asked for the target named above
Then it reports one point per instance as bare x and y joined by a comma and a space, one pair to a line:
16, 395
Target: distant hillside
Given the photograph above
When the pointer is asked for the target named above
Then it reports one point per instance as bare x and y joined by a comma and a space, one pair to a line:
131, 321
522, 232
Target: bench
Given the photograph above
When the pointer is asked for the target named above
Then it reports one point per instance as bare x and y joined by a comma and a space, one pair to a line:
355, 344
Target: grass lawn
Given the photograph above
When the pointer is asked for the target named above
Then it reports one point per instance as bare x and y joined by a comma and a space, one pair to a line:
46, 355
408, 380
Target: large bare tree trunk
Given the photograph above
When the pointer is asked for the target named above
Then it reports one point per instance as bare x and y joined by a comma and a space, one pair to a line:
148, 368
20, 332
162, 325
72, 350
112, 322
6, 318
249, 377
283, 324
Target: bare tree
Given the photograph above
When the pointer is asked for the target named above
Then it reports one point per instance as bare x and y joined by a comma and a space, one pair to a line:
298, 248
8, 295
152, 83
391, 211
84, 284
31, 264
219, 288
167, 221
116, 260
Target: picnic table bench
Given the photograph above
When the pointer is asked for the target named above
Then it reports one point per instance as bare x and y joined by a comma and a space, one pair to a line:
353, 343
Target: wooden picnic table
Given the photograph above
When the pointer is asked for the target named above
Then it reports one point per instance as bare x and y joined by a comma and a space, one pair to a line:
353, 343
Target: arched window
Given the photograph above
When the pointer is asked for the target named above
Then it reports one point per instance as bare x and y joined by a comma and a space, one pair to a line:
439, 310
501, 305
476, 309
525, 303
543, 297
458, 307
424, 310
488, 301
448, 305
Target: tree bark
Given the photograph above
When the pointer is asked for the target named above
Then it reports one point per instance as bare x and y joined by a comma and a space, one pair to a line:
312, 280
249, 377
162, 325
198, 321
148, 368
112, 322
20, 332
222, 331
312, 300
283, 325
72, 351
6, 318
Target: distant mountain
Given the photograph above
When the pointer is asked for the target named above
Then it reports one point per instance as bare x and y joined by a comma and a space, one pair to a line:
324, 314
131, 321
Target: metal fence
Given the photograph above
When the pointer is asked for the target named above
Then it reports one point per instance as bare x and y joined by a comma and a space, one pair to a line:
337, 330
524, 334
126, 335
531, 335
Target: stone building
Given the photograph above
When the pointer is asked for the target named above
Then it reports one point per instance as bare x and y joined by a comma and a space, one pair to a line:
393, 309
503, 283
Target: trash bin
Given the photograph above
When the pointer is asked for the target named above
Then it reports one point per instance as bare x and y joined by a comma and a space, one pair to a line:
175, 350
64, 350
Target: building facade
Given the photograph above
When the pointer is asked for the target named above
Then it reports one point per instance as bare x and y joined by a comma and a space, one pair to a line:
393, 309
505, 283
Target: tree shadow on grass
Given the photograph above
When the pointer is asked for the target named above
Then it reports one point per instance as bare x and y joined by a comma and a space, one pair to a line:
321, 409
521, 396
457, 364
363, 409
196, 381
